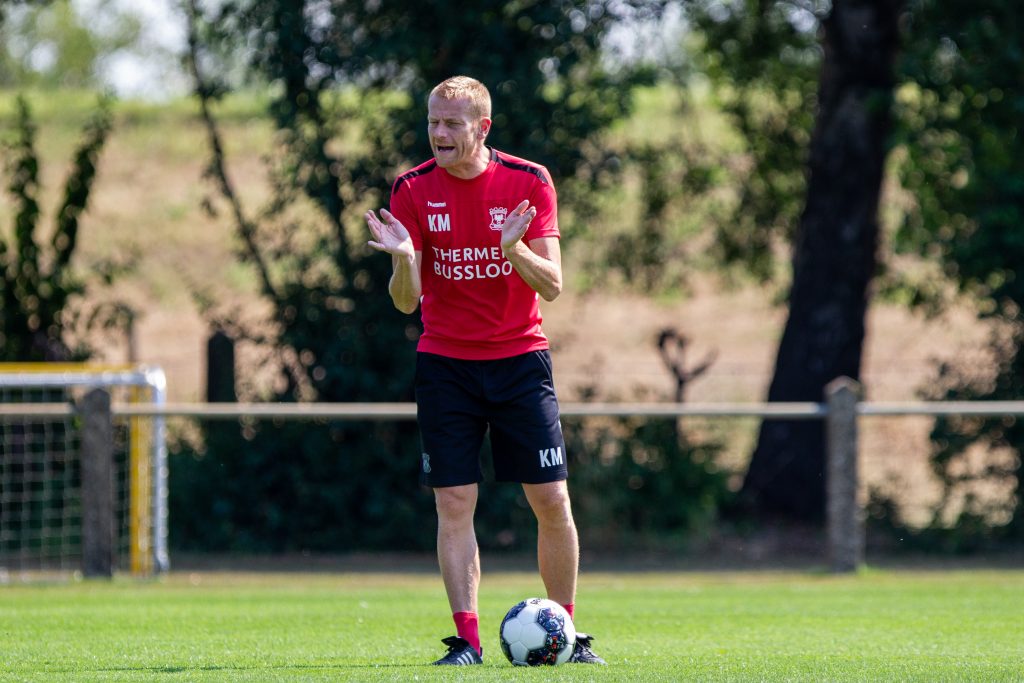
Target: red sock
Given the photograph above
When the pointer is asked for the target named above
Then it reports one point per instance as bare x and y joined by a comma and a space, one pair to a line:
569, 608
467, 626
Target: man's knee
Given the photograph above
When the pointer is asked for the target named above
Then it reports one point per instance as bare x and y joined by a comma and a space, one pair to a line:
550, 502
455, 503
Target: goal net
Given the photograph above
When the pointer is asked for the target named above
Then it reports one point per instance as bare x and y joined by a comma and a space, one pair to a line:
40, 469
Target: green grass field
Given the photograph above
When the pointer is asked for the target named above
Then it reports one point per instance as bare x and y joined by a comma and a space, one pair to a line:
878, 626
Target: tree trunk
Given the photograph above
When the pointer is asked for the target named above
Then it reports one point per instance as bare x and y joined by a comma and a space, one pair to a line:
834, 253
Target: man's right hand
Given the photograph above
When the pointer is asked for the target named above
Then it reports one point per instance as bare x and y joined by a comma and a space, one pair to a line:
389, 234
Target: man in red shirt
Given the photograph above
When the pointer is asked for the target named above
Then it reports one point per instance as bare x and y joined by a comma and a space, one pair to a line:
473, 236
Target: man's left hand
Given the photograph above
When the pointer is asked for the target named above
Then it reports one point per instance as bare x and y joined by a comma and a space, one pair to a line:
516, 224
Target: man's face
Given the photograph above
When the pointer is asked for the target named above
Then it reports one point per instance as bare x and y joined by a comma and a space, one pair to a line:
456, 135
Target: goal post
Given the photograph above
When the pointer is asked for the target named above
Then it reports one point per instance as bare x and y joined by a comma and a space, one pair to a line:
40, 468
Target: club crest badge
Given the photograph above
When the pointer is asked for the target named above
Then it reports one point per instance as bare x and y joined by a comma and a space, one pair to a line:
498, 215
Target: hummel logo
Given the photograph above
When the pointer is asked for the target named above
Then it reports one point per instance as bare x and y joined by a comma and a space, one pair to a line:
551, 457
437, 205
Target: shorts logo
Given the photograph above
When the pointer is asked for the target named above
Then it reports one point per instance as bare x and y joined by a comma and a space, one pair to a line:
426, 463
551, 457
498, 215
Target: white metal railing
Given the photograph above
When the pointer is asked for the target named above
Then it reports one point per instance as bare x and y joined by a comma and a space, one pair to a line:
938, 408
840, 411
407, 411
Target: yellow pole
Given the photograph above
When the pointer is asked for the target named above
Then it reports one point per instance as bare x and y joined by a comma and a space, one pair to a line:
139, 518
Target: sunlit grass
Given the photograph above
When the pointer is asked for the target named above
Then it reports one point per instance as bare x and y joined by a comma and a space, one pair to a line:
920, 626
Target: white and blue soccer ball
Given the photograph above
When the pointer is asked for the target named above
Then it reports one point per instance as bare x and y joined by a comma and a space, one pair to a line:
537, 632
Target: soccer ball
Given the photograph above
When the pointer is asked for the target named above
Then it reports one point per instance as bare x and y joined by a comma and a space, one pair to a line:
537, 632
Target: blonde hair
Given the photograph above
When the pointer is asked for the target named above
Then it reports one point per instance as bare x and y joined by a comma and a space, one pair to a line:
470, 88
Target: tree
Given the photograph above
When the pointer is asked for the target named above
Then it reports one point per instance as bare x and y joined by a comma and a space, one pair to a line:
959, 111
764, 60
38, 287
49, 44
835, 242
340, 337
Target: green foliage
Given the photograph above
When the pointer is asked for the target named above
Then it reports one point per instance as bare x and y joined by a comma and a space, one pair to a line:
636, 484
639, 484
37, 285
959, 110
742, 185
542, 62
762, 59
48, 44
654, 252
340, 337
291, 486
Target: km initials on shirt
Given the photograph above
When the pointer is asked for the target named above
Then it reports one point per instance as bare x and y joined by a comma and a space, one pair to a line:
439, 222
551, 457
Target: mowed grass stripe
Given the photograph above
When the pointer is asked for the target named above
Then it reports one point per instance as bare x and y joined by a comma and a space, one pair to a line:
921, 626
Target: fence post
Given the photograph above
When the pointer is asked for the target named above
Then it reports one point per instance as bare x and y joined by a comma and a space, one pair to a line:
845, 520
220, 368
97, 485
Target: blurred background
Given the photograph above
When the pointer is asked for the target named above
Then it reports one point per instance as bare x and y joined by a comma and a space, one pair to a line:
755, 198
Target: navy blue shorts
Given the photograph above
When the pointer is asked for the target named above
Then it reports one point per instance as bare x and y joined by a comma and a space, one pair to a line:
458, 401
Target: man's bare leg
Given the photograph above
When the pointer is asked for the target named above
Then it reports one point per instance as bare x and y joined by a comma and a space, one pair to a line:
558, 547
457, 551
558, 554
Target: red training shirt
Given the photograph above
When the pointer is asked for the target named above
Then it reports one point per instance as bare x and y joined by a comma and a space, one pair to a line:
475, 305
